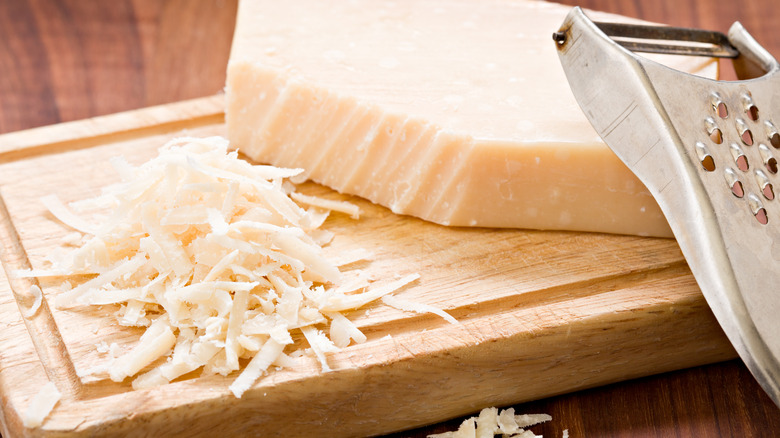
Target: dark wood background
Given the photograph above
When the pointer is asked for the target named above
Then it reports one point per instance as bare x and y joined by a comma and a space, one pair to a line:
64, 60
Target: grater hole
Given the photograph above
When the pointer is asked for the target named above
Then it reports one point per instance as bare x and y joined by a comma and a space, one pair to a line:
737, 189
752, 112
733, 182
766, 186
708, 163
742, 163
768, 191
706, 160
716, 136
718, 105
747, 137
769, 161
774, 139
739, 157
761, 216
757, 209
723, 111
771, 164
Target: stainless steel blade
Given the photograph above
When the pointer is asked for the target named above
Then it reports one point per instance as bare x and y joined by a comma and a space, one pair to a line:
711, 167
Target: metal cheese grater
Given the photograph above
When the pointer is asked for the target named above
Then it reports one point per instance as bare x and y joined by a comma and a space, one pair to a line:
707, 150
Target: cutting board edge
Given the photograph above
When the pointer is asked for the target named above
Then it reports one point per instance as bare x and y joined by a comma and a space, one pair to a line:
79, 134
597, 364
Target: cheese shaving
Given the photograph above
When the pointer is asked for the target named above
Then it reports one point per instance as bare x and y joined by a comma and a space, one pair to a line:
334, 300
411, 306
41, 405
215, 258
58, 209
37, 295
257, 366
343, 207
342, 330
491, 422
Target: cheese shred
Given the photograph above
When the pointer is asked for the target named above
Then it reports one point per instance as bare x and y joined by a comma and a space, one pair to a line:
490, 422
41, 405
215, 258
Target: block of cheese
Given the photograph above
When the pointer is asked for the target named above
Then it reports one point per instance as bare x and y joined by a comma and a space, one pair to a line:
454, 111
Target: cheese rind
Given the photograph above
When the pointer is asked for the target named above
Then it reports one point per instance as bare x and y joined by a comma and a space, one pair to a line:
456, 112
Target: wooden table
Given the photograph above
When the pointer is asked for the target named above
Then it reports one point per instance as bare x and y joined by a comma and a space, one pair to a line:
71, 59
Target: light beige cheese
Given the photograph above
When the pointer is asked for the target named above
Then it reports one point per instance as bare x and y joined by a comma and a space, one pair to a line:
456, 111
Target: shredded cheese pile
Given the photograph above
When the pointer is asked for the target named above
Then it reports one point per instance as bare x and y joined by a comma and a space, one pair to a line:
491, 422
212, 255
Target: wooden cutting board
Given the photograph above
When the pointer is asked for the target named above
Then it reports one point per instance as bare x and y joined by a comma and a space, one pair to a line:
541, 313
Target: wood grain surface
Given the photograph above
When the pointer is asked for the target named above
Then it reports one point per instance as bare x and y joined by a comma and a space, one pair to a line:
68, 60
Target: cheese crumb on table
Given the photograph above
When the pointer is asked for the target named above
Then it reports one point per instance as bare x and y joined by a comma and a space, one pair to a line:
215, 259
491, 422
41, 405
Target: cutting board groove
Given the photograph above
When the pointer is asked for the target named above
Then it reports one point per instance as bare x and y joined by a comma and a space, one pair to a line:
541, 313
37, 317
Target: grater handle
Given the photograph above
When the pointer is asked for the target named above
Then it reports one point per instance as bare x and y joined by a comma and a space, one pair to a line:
669, 40
753, 60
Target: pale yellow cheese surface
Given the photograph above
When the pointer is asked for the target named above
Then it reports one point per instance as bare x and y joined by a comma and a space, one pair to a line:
455, 111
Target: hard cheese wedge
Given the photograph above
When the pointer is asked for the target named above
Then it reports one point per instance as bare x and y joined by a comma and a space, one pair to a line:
455, 111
